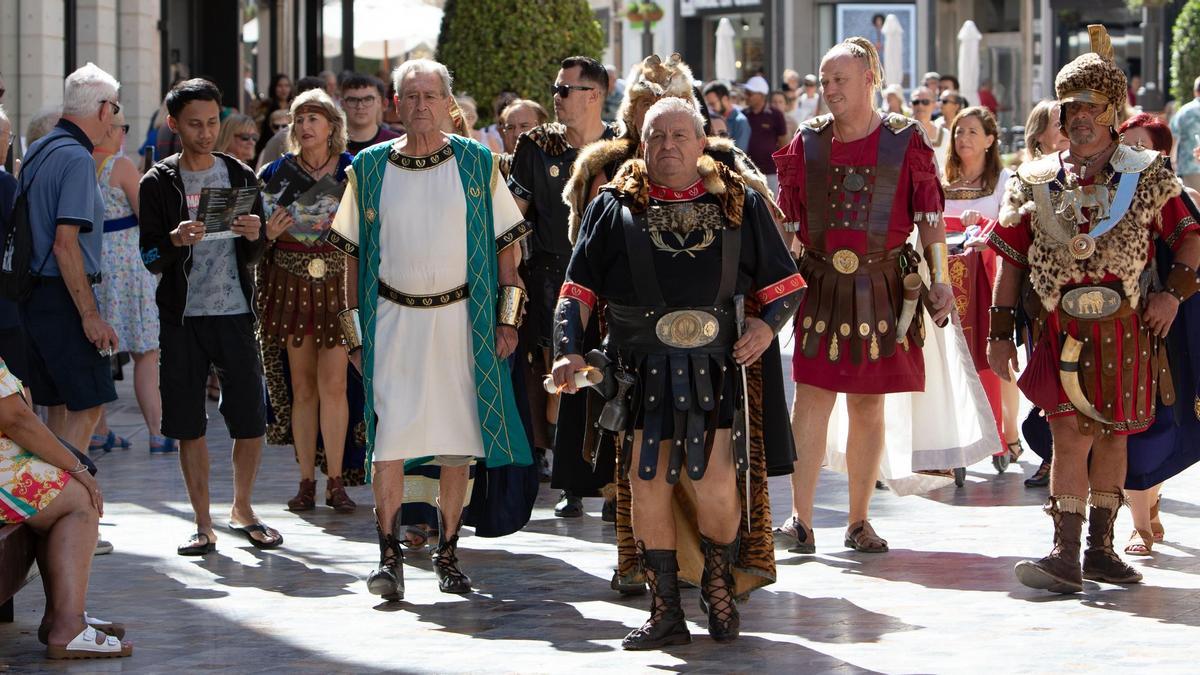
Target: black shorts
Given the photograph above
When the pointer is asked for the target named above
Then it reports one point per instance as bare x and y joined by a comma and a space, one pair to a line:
15, 351
187, 353
64, 367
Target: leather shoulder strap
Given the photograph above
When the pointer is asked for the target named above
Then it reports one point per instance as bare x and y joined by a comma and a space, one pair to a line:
818, 146
641, 257
888, 163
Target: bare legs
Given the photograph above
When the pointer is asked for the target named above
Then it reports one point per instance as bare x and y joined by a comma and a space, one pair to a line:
67, 530
193, 460
73, 426
864, 448
318, 398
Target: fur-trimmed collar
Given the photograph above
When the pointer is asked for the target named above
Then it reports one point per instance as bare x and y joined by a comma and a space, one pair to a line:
632, 185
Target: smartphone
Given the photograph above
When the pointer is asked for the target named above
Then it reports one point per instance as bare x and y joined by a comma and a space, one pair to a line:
148, 158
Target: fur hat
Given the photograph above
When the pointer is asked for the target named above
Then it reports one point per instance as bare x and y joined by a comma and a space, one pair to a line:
652, 80
1094, 78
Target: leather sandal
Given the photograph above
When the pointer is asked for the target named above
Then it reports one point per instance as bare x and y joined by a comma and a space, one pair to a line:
1141, 542
1015, 454
335, 496
795, 536
306, 496
861, 537
1156, 526
116, 630
91, 644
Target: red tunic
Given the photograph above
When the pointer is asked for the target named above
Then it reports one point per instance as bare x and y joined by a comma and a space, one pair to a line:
1013, 243
918, 190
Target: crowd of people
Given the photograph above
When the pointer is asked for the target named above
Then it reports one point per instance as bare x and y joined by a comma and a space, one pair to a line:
594, 297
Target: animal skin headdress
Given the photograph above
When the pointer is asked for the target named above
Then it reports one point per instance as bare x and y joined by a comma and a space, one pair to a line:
655, 79
1094, 78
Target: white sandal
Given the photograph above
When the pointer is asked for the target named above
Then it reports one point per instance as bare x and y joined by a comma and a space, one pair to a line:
91, 644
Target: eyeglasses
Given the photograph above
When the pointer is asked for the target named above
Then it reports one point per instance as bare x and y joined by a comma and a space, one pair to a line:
247, 138
951, 101
564, 90
723, 134
116, 107
358, 101
123, 127
921, 101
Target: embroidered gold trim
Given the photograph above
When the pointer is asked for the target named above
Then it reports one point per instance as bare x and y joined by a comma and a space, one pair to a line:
423, 163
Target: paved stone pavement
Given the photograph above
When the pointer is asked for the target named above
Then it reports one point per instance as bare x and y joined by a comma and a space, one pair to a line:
943, 600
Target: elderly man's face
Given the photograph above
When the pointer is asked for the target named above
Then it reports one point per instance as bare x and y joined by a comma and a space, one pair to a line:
1081, 126
423, 103
516, 122
672, 150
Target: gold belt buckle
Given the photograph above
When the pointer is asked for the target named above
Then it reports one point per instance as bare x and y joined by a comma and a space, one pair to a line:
316, 268
1091, 302
687, 328
845, 261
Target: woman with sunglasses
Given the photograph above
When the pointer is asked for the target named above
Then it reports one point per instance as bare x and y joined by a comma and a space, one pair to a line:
127, 292
239, 136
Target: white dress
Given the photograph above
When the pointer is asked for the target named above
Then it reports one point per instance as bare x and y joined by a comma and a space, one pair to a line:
988, 205
424, 370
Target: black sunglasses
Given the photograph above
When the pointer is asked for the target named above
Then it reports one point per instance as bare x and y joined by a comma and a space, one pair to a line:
951, 101
247, 138
921, 101
564, 90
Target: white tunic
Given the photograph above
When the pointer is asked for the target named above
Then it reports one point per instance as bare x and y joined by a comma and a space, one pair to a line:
424, 371
987, 205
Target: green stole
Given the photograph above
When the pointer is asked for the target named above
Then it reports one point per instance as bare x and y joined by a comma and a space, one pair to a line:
504, 440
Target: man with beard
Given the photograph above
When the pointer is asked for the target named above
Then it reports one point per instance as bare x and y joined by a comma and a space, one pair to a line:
716, 96
1081, 223
541, 165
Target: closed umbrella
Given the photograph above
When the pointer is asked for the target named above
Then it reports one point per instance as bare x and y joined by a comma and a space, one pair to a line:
893, 51
968, 61
726, 65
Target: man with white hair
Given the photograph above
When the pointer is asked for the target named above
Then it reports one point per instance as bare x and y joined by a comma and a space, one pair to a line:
69, 342
673, 243
428, 229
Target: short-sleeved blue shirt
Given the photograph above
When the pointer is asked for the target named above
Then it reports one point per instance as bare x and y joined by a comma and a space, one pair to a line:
60, 188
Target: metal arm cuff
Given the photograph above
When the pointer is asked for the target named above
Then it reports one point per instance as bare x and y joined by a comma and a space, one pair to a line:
568, 328
937, 255
777, 312
351, 328
511, 310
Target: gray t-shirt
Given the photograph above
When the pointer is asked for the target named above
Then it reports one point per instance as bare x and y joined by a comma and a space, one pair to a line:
214, 288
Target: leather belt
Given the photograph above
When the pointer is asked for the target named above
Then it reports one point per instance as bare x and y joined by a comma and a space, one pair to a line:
663, 329
423, 301
847, 261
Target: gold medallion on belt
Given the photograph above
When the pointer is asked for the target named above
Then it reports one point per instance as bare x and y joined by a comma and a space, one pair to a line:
316, 268
687, 329
844, 260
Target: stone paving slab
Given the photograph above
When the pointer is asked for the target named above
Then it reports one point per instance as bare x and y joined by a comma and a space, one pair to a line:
943, 600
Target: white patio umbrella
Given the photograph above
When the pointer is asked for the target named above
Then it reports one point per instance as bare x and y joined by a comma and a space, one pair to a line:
893, 51
968, 61
726, 60
384, 28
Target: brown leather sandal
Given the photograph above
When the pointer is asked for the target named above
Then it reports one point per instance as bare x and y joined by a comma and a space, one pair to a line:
335, 496
861, 537
1156, 526
1141, 542
306, 496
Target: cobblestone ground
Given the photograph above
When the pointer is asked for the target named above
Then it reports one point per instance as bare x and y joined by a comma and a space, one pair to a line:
943, 600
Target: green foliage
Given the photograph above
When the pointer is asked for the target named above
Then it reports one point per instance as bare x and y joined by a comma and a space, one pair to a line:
496, 45
1185, 52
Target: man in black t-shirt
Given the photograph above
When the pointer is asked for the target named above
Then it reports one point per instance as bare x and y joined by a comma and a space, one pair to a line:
363, 100
540, 168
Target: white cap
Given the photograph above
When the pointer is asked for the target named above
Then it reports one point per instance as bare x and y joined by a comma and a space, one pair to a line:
758, 85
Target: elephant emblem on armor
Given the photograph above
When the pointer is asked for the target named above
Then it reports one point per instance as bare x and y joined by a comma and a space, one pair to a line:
1091, 303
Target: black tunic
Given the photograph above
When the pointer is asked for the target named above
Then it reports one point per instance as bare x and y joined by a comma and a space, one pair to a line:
680, 392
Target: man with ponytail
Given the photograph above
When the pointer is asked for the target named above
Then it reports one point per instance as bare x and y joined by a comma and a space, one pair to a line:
860, 191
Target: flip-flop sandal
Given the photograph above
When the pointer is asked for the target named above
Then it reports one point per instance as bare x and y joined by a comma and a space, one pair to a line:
248, 531
195, 546
861, 537
91, 644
